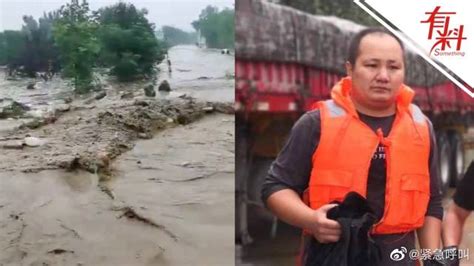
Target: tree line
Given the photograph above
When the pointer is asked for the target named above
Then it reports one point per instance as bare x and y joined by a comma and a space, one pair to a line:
217, 27
74, 40
174, 36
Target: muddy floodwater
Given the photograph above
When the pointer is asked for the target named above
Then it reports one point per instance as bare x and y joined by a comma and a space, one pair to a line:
211, 67
121, 180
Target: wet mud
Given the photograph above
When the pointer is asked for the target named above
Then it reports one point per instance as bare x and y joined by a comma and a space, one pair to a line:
118, 180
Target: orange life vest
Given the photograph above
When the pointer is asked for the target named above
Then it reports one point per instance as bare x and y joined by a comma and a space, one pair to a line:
343, 156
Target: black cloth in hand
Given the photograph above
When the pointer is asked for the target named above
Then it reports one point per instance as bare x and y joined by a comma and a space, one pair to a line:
355, 247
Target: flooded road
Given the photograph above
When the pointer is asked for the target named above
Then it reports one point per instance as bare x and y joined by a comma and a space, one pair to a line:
205, 74
180, 194
185, 180
44, 94
119, 181
208, 67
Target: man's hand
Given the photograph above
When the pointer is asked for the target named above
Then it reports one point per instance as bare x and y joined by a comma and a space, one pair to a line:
325, 230
288, 206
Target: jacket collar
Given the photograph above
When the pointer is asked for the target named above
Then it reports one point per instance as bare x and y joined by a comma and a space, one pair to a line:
340, 93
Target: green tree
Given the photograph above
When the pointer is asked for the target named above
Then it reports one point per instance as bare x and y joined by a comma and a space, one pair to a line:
128, 42
216, 26
75, 35
3, 47
32, 48
174, 36
125, 15
31, 57
48, 50
41, 53
14, 48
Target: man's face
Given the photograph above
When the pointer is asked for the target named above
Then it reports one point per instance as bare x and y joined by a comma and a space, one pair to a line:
378, 72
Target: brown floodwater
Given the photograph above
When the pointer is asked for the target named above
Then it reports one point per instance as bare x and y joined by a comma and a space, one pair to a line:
169, 200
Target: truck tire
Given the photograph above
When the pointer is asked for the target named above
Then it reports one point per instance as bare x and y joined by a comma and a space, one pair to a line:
457, 157
444, 155
258, 173
242, 235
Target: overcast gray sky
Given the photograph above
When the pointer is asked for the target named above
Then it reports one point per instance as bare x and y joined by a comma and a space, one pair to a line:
177, 13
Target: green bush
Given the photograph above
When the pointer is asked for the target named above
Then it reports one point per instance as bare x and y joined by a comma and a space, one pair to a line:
128, 42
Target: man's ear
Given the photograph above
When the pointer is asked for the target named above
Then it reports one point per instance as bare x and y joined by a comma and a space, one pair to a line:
349, 68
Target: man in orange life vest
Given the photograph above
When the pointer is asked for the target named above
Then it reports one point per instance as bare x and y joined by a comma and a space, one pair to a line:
368, 138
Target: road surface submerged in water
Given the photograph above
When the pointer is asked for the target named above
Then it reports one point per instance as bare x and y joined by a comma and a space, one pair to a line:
170, 203
121, 181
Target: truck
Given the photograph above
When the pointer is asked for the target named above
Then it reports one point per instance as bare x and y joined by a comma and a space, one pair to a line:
286, 60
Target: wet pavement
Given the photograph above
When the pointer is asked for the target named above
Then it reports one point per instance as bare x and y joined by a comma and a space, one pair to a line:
265, 250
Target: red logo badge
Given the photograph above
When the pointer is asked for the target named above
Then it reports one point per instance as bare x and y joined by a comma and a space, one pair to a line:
443, 34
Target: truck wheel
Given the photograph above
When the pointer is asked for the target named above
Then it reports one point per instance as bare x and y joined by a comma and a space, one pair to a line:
260, 216
242, 235
457, 158
259, 170
444, 155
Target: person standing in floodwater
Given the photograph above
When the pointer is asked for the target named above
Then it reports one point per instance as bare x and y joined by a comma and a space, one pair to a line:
168, 61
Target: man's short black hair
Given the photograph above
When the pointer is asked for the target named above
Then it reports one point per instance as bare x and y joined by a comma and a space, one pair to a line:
355, 42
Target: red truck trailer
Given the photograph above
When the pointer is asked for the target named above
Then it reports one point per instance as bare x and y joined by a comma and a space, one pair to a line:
286, 60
